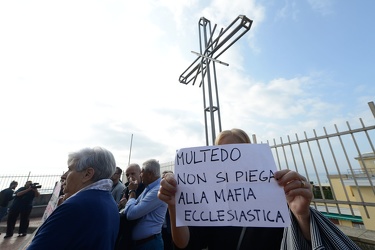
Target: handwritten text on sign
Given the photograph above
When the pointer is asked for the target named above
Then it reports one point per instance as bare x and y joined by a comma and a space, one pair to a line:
229, 185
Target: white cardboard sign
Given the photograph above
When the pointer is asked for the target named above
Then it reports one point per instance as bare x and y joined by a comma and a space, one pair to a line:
229, 185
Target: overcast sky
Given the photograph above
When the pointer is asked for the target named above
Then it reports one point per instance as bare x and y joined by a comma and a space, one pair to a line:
77, 74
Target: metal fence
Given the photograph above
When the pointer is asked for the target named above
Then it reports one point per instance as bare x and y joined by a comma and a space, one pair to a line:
338, 164
47, 182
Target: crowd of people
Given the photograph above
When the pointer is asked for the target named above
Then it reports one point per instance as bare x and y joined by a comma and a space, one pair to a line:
99, 210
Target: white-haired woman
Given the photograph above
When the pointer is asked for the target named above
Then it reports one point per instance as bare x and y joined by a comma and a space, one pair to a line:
88, 218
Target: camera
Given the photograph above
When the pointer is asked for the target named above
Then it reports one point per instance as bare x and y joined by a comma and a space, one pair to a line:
35, 185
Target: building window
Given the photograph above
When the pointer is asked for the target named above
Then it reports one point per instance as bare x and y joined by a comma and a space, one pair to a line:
334, 221
358, 225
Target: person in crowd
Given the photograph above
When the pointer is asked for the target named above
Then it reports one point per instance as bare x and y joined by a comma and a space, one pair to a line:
62, 195
6, 195
22, 206
133, 174
118, 187
88, 218
309, 228
147, 208
166, 228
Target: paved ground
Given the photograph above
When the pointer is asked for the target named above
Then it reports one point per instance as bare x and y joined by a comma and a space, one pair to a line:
15, 242
20, 243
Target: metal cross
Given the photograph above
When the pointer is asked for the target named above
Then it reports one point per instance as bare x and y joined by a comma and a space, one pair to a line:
204, 65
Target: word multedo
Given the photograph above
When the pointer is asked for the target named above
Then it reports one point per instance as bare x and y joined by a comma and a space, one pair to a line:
208, 155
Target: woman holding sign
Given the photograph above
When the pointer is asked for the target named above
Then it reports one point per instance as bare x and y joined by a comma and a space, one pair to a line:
309, 229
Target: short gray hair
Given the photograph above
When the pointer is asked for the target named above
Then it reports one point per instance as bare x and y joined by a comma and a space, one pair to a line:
100, 159
152, 166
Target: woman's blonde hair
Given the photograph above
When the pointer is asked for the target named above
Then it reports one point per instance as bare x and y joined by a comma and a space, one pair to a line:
237, 134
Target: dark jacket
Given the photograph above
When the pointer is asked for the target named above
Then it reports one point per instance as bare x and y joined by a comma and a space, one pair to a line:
6, 195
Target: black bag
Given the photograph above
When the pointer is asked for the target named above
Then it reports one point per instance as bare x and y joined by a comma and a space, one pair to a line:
124, 237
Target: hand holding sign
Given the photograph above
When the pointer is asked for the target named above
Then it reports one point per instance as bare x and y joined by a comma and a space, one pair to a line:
168, 189
298, 195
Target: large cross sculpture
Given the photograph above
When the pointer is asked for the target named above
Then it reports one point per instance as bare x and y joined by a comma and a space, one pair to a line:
204, 65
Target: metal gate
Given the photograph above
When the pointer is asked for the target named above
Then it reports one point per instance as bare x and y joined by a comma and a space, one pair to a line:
341, 167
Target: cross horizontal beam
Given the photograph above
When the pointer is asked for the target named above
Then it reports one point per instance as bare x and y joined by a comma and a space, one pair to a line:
215, 48
209, 58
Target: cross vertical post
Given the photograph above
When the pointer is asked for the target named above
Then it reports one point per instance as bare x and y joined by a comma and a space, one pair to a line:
204, 67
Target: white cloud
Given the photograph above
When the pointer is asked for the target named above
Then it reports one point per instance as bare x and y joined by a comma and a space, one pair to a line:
86, 73
288, 10
324, 7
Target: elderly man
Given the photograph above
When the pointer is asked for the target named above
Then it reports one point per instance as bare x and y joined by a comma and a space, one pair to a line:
88, 218
133, 174
147, 208
117, 186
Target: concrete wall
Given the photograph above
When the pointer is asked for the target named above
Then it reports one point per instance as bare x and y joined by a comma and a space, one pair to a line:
365, 239
39, 205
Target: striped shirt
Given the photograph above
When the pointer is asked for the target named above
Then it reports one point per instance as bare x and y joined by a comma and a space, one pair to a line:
324, 235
